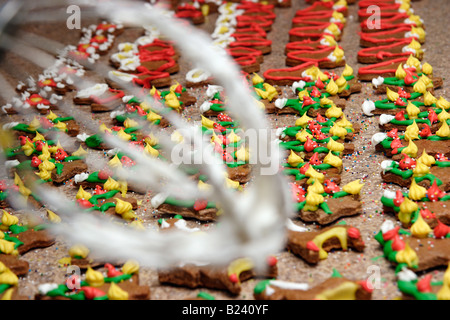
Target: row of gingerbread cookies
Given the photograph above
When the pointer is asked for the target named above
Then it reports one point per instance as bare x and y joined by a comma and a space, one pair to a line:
411, 108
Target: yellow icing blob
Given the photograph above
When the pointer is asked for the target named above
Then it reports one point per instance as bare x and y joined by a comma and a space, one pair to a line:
427, 68
121, 134
444, 130
123, 188
203, 186
419, 32
392, 95
28, 148
334, 112
303, 93
61, 126
413, 62
154, 91
332, 88
153, 116
130, 123
174, 87
330, 41
303, 135
209, 124
8, 220
152, 152
53, 217
322, 76
426, 80
412, 110
313, 200
444, 292
22, 189
130, 267
421, 169
45, 153
302, 121
400, 73
316, 187
44, 175
176, 137
238, 266
232, 184
345, 291
257, 79
348, 71
443, 104
115, 162
94, 278
412, 132
408, 256
338, 232
54, 149
82, 194
294, 160
416, 19
7, 247
39, 137
407, 208
80, 152
8, 277
426, 159
420, 86
122, 206
3, 268
411, 149
34, 124
151, 140
7, 296
338, 131
79, 250
342, 84
314, 70
416, 192
326, 102
353, 187
314, 176
104, 128
335, 146
334, 30
242, 154
270, 92
429, 99
233, 137
332, 160
111, 184
344, 123
215, 139
51, 116
420, 228
129, 216
443, 116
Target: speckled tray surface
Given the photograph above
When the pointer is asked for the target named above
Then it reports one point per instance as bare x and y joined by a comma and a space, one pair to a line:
363, 164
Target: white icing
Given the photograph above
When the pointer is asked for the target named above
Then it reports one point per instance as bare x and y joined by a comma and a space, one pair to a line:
377, 81
293, 227
83, 136
127, 47
11, 163
96, 90
378, 137
127, 98
388, 225
41, 106
116, 113
386, 165
81, 177
408, 49
406, 275
60, 85
281, 103
324, 42
368, 106
121, 76
298, 85
158, 200
205, 106
142, 41
331, 57
130, 64
9, 125
280, 131
289, 285
212, 90
197, 75
386, 118
409, 34
47, 287
6, 107
181, 224
389, 194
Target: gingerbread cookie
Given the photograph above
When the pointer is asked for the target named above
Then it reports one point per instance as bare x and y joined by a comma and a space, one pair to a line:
413, 287
100, 97
9, 285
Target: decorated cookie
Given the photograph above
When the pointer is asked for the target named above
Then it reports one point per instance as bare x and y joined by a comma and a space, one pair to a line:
399, 49
9, 284
100, 97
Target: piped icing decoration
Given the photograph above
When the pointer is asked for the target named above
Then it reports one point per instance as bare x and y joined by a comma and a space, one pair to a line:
53, 217
333, 112
443, 103
407, 208
332, 88
79, 251
111, 184
444, 292
344, 123
412, 132
316, 187
338, 131
314, 175
434, 193
412, 110
94, 278
149, 150
313, 200
443, 116
335, 146
429, 99
392, 95
238, 266
131, 267
420, 170
411, 150
8, 277
427, 68
294, 160
82, 194
303, 121
353, 187
444, 130
420, 86
117, 293
332, 160
345, 291
420, 228
348, 71
338, 232
8, 220
303, 136
408, 256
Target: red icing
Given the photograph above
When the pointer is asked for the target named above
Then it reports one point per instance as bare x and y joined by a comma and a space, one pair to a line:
397, 243
409, 79
424, 284
330, 187
389, 235
432, 116
218, 127
272, 261
233, 278
294, 73
85, 204
378, 68
61, 155
45, 123
407, 162
99, 190
23, 140
434, 193
92, 292
127, 162
200, 205
310, 145
319, 84
39, 145
315, 159
112, 271
441, 230
307, 101
393, 133
353, 233
35, 162
427, 214
400, 116
315, 93
403, 94
426, 131
312, 246
366, 286
222, 117
298, 193
104, 174
398, 198
304, 168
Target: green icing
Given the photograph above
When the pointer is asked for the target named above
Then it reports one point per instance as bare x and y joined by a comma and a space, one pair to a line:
186, 203
261, 286
4, 287
410, 288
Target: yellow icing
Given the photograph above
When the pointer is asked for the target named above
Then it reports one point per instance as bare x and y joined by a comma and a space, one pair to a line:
34, 124
302, 121
332, 160
392, 95
303, 135
149, 150
61, 126
332, 88
111, 184
408, 256
233, 137
444, 130
7, 296
79, 250
443, 103
316, 187
303, 93
426, 80
82, 194
242, 154
153, 116
130, 123
344, 123
314, 175
53, 217
51, 116
444, 292
400, 73
413, 62
412, 131
209, 124
429, 99
177, 137
116, 293
130, 267
44, 175
345, 291
412, 110
334, 30
28, 148
420, 87
8, 277
7, 247
338, 232
421, 169
94, 278
3, 268
22, 189
121, 134
45, 153
348, 71
313, 200
420, 32
426, 159
174, 86
238, 266
341, 82
151, 140
335, 146
80, 152
256, 79
8, 220
325, 102
420, 228
232, 184
407, 208
294, 160
443, 116
330, 40
416, 192
411, 149
115, 162
338, 131
39, 137
104, 128
334, 112
353, 187
416, 19
203, 186
122, 206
